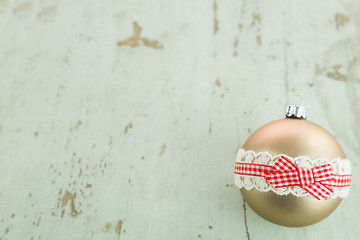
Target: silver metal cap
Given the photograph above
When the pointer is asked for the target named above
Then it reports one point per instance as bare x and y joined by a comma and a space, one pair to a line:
293, 111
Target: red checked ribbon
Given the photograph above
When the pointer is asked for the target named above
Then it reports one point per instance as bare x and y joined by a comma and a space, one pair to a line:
284, 173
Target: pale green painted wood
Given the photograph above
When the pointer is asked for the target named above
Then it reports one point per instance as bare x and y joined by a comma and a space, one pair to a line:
94, 134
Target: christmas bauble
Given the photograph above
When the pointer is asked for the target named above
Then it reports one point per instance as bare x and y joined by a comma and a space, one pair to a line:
292, 172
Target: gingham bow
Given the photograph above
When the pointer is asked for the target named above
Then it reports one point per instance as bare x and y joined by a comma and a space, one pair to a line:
284, 173
313, 181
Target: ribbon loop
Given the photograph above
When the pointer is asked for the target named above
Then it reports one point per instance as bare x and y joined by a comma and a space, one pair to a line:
287, 174
284, 173
323, 173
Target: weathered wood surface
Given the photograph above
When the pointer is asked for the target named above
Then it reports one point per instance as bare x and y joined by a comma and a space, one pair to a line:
121, 119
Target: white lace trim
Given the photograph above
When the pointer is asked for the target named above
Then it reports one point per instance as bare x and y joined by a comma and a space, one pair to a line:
338, 166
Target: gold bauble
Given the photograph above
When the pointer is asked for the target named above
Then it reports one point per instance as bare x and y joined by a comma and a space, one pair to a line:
293, 137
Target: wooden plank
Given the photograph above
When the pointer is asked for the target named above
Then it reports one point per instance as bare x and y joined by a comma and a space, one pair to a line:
121, 119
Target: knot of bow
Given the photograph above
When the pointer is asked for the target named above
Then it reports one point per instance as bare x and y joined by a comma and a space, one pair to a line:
284, 173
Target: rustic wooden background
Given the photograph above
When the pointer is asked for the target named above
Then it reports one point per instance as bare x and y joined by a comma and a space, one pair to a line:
120, 119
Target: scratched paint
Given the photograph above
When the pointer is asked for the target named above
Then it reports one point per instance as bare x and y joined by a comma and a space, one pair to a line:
136, 40
216, 20
335, 74
118, 227
162, 150
127, 127
70, 197
23, 9
218, 83
341, 20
